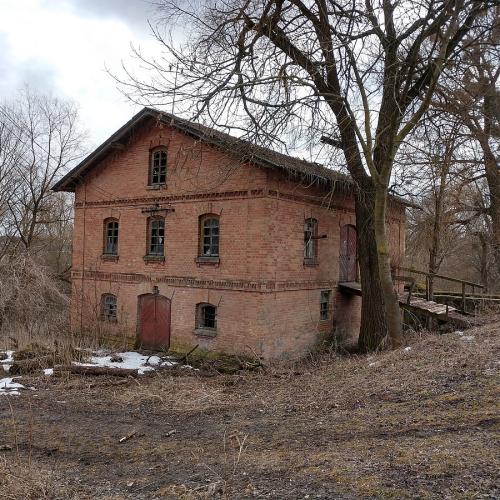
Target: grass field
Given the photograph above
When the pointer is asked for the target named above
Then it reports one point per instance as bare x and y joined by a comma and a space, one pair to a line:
412, 423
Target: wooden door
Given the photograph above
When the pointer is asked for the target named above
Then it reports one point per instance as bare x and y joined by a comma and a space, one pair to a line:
153, 322
348, 254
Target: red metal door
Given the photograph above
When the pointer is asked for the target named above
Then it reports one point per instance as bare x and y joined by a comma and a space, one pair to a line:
154, 322
348, 254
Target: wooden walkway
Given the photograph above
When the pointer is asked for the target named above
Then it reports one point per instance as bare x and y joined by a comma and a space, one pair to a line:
428, 308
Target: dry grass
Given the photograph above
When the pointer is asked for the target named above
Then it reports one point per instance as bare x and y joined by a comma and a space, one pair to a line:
418, 423
20, 480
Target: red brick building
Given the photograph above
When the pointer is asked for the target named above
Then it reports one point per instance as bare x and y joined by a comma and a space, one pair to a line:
184, 235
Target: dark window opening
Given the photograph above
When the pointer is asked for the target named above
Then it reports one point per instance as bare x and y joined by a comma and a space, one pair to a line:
324, 305
158, 167
310, 239
207, 316
209, 236
111, 237
108, 306
156, 237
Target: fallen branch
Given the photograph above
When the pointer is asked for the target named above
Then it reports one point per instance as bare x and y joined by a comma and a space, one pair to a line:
184, 360
127, 437
95, 370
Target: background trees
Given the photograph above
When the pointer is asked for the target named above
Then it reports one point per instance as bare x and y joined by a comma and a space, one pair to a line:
39, 141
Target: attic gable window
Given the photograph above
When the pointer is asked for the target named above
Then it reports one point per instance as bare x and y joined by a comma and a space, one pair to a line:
158, 168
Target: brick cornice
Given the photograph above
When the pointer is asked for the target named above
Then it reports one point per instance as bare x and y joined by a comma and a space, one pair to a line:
262, 286
222, 195
226, 195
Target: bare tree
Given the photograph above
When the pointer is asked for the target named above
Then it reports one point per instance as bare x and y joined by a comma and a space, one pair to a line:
10, 152
469, 92
357, 73
50, 143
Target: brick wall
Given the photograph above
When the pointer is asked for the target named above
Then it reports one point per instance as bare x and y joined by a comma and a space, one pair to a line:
268, 300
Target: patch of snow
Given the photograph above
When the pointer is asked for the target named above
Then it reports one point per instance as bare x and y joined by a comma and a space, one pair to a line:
48, 371
131, 360
407, 349
468, 338
9, 359
7, 386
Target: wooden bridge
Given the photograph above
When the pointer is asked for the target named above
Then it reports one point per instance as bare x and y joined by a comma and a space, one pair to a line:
426, 306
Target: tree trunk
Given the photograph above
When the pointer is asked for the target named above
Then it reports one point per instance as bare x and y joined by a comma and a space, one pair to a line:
493, 178
380, 313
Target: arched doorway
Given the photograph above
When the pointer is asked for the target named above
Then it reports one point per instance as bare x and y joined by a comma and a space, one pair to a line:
348, 254
153, 325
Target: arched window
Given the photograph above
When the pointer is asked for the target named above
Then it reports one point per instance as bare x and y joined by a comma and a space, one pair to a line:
158, 168
209, 235
156, 236
108, 307
111, 237
206, 317
310, 240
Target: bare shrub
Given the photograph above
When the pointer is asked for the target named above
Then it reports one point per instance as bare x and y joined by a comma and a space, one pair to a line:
33, 304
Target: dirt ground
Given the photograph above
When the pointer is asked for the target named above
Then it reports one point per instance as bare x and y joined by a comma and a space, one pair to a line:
414, 423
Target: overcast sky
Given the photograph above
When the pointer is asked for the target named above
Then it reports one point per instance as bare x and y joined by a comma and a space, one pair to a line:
63, 46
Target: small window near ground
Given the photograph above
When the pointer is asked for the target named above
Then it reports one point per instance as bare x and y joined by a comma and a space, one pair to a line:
158, 171
324, 305
108, 307
156, 236
310, 239
206, 317
111, 237
209, 235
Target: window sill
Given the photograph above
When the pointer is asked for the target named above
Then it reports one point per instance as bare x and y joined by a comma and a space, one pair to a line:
205, 332
105, 319
154, 258
155, 187
109, 257
310, 263
210, 261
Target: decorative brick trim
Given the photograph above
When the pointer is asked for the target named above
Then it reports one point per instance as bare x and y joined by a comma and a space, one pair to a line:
167, 199
253, 193
264, 286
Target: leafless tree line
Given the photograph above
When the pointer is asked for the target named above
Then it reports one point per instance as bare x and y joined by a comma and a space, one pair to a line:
39, 140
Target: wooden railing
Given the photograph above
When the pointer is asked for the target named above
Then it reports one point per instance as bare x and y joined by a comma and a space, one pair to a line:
429, 277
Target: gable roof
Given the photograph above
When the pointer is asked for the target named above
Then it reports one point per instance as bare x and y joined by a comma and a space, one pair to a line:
244, 150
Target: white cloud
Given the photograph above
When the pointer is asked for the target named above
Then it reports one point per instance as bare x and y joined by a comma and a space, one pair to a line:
51, 46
